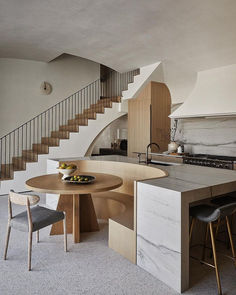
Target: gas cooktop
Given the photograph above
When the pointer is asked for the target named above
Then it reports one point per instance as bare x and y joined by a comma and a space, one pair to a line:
223, 162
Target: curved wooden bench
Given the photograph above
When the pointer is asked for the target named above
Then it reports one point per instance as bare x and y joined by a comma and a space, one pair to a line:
119, 205
115, 206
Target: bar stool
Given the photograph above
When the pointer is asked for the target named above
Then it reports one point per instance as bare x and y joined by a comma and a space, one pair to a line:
209, 214
222, 201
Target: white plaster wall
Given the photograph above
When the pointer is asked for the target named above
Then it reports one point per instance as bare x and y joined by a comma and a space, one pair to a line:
20, 80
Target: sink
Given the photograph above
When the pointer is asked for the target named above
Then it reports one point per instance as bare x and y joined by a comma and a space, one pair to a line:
163, 163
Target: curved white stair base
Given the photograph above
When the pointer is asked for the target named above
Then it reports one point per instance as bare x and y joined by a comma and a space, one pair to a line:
76, 146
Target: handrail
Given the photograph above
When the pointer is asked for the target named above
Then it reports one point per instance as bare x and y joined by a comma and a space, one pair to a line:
33, 137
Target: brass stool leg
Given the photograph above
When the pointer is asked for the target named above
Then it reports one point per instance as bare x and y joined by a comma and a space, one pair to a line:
215, 259
231, 239
205, 242
191, 229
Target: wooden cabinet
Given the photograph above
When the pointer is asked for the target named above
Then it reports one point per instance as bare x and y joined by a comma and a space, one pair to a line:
148, 119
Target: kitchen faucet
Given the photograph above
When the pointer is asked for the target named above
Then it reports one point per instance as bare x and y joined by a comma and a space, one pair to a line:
149, 145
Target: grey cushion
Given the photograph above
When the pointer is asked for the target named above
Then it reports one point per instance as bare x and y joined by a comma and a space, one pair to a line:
41, 217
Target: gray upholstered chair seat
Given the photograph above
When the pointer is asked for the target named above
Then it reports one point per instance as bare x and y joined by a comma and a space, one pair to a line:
205, 213
41, 217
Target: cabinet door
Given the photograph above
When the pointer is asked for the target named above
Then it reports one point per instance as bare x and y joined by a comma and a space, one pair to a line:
160, 122
138, 126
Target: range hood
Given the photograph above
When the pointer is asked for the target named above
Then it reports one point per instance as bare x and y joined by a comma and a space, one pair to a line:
213, 95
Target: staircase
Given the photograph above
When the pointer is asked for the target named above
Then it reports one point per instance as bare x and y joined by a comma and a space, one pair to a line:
35, 137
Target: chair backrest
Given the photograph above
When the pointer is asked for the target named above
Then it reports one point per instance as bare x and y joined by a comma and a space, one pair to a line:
24, 200
228, 209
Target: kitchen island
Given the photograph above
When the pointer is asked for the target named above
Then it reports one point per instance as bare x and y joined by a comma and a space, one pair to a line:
161, 213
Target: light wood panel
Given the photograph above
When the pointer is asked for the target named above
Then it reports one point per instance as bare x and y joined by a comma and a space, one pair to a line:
139, 121
148, 119
160, 122
122, 240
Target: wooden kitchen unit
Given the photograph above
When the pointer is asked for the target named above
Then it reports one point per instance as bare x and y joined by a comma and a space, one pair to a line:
148, 119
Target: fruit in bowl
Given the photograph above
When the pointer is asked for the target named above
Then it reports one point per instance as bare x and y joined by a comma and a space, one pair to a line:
66, 170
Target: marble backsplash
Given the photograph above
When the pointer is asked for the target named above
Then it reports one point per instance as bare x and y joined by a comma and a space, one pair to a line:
215, 136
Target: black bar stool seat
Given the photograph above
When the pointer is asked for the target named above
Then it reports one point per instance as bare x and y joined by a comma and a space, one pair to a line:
209, 214
205, 213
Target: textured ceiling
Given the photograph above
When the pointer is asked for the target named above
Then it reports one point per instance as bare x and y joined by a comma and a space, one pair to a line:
119, 33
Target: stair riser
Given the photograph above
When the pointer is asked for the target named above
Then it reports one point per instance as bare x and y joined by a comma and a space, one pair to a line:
70, 128
60, 134
91, 116
99, 110
18, 164
40, 149
29, 157
81, 122
7, 171
51, 141
105, 104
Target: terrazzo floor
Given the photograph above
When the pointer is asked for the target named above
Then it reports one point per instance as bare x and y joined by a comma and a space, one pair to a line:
89, 268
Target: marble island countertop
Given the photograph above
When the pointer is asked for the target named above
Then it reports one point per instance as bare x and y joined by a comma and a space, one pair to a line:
181, 177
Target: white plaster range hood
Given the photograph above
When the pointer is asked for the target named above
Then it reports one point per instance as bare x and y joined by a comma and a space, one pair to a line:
213, 95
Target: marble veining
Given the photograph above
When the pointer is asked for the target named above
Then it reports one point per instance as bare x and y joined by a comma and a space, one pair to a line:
215, 136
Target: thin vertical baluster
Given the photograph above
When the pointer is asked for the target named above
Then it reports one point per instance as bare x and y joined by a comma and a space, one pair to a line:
22, 142
14, 143
9, 156
30, 135
18, 145
48, 114
5, 159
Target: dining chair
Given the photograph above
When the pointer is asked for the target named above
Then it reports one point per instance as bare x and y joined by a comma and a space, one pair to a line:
210, 214
31, 220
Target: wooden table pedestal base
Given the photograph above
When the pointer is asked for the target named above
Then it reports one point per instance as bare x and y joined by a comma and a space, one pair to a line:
80, 215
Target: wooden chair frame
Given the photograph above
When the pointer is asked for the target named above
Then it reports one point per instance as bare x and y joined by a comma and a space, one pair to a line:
27, 200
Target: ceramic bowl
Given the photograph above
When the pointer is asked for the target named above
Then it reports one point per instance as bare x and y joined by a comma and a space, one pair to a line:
66, 172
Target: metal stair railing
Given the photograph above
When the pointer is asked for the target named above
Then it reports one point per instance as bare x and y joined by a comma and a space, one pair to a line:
19, 142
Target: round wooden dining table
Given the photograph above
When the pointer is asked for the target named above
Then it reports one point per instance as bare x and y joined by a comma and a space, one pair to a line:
75, 199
